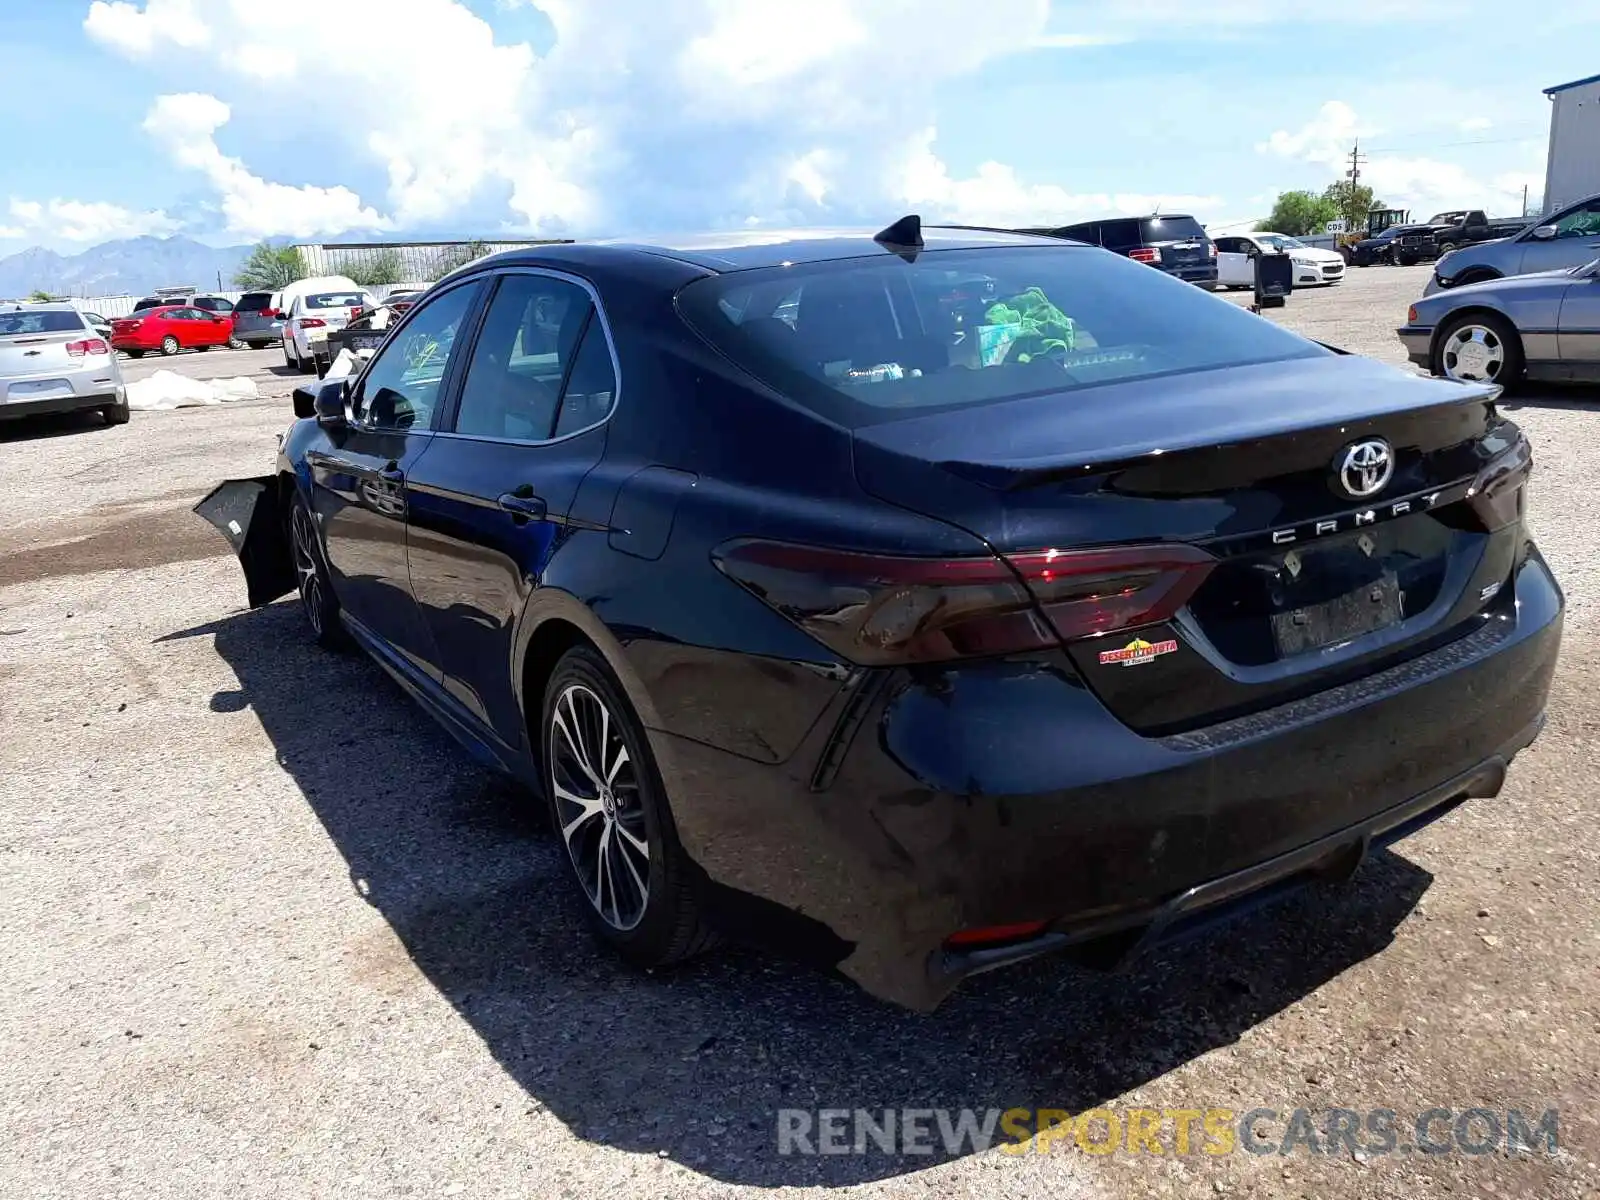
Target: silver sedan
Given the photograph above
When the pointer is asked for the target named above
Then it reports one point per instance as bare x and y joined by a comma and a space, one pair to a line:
1542, 327
53, 361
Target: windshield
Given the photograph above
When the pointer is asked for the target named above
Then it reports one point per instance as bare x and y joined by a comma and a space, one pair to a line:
1175, 228
865, 340
50, 321
335, 300
1278, 241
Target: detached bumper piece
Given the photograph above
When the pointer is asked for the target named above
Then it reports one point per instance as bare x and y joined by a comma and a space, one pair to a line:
249, 513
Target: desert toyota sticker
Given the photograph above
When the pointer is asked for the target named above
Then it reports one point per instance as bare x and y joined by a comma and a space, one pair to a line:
1136, 653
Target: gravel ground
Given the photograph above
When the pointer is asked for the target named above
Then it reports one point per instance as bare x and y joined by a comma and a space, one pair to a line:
269, 934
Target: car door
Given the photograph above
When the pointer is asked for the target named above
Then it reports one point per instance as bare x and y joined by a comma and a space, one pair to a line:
491, 497
360, 481
1579, 336
1576, 242
1233, 263
207, 330
175, 322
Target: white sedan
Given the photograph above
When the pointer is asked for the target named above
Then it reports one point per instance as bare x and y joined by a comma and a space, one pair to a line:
1236, 255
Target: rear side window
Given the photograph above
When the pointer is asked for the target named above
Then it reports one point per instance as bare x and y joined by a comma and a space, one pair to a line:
254, 302
334, 300
18, 324
521, 358
214, 304
1171, 229
866, 340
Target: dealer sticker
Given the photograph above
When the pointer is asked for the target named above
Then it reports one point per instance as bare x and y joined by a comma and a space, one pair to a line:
1137, 653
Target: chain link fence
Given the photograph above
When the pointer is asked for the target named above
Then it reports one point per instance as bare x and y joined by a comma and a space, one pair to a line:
386, 264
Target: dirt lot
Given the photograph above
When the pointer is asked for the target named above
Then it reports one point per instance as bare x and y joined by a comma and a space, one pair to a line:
268, 933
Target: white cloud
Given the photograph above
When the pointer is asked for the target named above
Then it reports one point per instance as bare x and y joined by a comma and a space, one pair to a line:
58, 220
995, 195
1413, 181
137, 31
641, 115
1475, 125
185, 125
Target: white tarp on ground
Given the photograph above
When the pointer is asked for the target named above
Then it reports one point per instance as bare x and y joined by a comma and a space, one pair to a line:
168, 389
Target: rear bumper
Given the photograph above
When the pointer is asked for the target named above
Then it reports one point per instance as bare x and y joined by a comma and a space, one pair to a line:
1418, 343
59, 404
964, 798
1193, 274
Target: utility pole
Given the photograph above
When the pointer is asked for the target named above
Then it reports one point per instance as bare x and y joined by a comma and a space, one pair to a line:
1356, 159
1524, 199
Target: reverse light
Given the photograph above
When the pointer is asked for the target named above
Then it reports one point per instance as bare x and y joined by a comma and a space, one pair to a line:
882, 610
1145, 254
88, 346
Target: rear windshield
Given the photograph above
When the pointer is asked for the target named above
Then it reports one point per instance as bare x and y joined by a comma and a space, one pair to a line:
335, 300
1171, 229
52, 321
866, 340
254, 302
151, 303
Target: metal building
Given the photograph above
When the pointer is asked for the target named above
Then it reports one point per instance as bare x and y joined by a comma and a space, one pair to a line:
1573, 169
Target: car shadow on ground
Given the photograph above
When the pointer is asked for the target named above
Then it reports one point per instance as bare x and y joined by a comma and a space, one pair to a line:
27, 429
1571, 397
695, 1064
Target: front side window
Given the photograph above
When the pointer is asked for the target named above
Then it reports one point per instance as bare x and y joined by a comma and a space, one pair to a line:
524, 354
1583, 221
401, 388
875, 339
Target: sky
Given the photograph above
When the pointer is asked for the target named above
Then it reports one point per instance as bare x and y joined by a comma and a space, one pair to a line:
237, 120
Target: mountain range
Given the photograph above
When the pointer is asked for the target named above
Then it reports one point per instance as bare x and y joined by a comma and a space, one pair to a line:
129, 266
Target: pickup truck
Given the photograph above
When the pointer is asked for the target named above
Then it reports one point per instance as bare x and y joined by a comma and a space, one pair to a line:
1452, 230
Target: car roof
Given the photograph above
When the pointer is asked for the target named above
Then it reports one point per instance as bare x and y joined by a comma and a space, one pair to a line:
747, 250
47, 306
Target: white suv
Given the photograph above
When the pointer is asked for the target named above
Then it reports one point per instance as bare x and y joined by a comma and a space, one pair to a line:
312, 314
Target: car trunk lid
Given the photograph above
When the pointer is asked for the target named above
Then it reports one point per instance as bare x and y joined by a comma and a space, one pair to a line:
32, 353
1312, 584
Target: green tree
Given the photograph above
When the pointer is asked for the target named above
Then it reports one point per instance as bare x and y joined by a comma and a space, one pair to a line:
269, 268
384, 267
1299, 213
1352, 203
39, 296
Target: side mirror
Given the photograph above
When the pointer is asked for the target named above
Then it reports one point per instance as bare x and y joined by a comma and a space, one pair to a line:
327, 402
1543, 233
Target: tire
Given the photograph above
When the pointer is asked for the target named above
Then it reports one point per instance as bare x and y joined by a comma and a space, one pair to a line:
288, 361
313, 581
134, 353
1445, 248
1500, 341
1407, 260
616, 813
116, 414
238, 344
170, 345
201, 349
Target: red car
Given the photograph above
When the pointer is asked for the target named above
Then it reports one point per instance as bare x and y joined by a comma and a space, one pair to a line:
169, 329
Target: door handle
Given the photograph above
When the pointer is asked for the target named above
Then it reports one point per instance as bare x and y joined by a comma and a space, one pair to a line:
527, 507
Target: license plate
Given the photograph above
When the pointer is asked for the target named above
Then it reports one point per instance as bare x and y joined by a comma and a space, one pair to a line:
1369, 608
40, 389
364, 341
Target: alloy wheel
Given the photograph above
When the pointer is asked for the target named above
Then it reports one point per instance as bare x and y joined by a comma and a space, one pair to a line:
599, 809
308, 579
1474, 354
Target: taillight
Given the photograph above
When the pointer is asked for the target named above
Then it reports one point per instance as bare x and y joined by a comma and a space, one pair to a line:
88, 346
1213, 249
1145, 254
310, 322
879, 610
1411, 315
992, 935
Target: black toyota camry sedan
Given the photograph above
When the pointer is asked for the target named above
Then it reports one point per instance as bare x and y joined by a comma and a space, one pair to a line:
924, 601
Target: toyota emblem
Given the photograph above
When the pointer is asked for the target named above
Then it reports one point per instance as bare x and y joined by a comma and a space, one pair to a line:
1365, 468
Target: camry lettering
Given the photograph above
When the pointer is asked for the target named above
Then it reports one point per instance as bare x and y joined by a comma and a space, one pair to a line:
1367, 516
